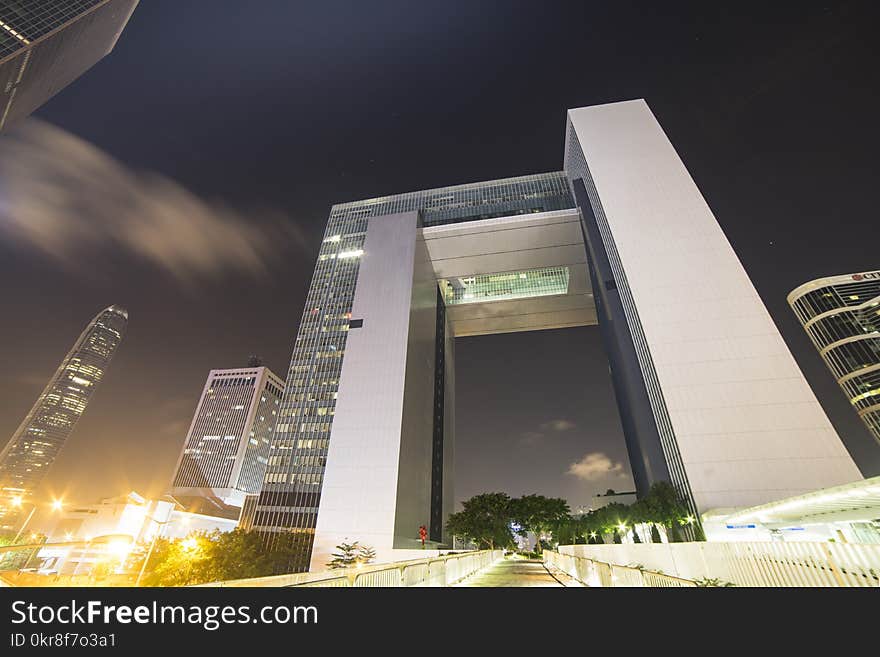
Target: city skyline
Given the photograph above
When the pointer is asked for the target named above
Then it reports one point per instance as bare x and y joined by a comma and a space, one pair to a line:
768, 230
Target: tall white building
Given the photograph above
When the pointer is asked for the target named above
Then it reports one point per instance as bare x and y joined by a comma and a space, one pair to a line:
709, 395
227, 447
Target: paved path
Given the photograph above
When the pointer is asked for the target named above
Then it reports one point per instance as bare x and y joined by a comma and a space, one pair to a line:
516, 572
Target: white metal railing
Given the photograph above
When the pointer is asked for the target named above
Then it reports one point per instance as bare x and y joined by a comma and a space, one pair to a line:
778, 563
601, 574
435, 571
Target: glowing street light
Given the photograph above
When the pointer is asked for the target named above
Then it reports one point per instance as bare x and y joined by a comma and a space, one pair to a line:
57, 505
17, 501
189, 544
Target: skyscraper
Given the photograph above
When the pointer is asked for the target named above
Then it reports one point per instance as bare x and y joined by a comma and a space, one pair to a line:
46, 44
39, 439
227, 447
841, 314
710, 398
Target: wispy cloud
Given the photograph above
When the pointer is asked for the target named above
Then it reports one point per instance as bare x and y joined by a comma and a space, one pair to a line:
558, 425
596, 465
552, 426
67, 198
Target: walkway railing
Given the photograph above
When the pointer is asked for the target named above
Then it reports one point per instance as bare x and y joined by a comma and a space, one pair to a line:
779, 563
436, 571
602, 574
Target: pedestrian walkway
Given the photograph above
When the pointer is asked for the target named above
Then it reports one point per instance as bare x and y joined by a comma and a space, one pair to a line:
517, 572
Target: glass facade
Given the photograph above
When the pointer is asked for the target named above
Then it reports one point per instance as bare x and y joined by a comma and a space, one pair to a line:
227, 448
40, 437
46, 44
28, 20
506, 286
291, 491
842, 317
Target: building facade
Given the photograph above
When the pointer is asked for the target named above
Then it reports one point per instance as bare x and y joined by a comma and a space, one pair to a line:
841, 314
709, 395
227, 446
46, 44
39, 439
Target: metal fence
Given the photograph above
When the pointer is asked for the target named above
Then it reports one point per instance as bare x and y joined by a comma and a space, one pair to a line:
602, 574
778, 563
436, 571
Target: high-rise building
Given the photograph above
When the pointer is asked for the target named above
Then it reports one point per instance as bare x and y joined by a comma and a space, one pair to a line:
227, 447
46, 44
710, 397
36, 443
841, 314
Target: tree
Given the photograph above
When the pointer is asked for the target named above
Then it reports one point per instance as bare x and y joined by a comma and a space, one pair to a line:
664, 505
484, 519
366, 554
345, 557
538, 514
217, 556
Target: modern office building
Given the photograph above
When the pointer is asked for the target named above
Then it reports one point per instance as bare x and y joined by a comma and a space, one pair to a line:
46, 44
36, 443
227, 447
841, 314
709, 395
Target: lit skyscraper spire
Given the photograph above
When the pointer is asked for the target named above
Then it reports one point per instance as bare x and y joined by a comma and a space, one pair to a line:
41, 436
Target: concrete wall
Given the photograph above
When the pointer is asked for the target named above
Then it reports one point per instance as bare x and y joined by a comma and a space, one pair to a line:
748, 427
360, 491
417, 429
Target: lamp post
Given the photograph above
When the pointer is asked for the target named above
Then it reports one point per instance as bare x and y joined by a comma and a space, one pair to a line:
140, 576
27, 520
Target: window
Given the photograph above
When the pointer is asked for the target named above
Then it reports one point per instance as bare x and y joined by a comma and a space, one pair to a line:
355, 323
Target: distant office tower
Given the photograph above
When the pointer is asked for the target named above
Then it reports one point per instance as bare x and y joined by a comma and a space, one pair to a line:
227, 447
841, 314
46, 44
710, 397
35, 445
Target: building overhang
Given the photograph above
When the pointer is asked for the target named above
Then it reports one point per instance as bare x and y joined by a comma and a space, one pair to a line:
513, 251
859, 500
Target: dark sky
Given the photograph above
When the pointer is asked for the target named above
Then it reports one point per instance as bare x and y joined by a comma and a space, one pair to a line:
268, 112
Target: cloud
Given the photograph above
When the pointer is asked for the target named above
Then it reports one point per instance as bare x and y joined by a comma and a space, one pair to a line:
531, 437
596, 465
65, 197
558, 425
534, 437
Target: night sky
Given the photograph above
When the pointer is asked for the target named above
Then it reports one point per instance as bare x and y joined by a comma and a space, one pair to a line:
188, 177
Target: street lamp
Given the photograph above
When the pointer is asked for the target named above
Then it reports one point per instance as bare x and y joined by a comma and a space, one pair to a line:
140, 576
26, 521
18, 501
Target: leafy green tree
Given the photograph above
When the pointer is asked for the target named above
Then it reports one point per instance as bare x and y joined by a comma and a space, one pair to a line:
538, 514
484, 519
366, 554
664, 506
179, 563
612, 517
216, 556
346, 556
